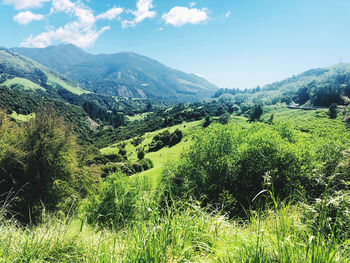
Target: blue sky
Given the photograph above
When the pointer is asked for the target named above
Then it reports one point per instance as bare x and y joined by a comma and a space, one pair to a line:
232, 43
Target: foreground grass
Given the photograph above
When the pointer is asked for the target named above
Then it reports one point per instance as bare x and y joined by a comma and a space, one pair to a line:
187, 234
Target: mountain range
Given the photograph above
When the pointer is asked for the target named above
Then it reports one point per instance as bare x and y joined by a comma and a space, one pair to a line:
123, 74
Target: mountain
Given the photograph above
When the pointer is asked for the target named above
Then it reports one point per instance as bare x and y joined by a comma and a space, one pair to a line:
123, 74
314, 87
26, 85
20, 71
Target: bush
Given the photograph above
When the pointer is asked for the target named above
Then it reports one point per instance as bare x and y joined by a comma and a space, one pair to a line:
136, 141
175, 138
333, 111
206, 122
141, 155
230, 164
255, 112
122, 152
146, 164
41, 165
155, 146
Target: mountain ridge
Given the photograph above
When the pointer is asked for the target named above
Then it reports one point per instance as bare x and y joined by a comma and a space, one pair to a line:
125, 74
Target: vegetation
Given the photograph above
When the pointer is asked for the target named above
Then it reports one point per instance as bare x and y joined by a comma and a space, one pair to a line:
237, 178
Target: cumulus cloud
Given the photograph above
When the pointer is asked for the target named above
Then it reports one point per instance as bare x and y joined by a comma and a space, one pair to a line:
192, 4
27, 17
25, 4
81, 32
179, 16
40, 41
66, 34
62, 6
142, 12
111, 13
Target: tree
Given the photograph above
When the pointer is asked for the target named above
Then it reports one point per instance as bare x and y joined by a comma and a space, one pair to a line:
206, 122
141, 155
333, 111
175, 138
224, 119
255, 112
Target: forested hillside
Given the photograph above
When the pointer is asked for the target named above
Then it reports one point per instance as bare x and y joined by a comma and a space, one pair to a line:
122, 74
315, 87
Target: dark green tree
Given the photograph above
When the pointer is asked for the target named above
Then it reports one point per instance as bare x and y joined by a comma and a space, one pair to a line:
206, 122
141, 155
256, 112
333, 111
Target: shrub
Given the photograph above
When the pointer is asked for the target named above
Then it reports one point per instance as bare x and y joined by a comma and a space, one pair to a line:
146, 164
122, 152
224, 119
175, 138
141, 155
136, 141
41, 165
206, 122
230, 164
155, 146
255, 112
333, 111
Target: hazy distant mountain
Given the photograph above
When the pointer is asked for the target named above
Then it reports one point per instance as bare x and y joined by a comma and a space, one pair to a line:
122, 74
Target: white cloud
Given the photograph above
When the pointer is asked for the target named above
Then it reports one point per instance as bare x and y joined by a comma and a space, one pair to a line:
27, 17
70, 34
143, 11
81, 32
25, 4
179, 16
228, 14
40, 41
111, 13
192, 4
66, 34
62, 6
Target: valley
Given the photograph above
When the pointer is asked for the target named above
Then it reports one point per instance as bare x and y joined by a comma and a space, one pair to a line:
97, 167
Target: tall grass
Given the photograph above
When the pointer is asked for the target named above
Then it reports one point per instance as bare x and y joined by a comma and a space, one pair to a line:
186, 233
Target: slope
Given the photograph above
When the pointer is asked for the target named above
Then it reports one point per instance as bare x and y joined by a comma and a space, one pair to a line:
123, 74
17, 70
316, 87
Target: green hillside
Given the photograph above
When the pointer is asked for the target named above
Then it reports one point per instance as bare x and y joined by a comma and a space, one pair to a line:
23, 83
315, 87
123, 74
24, 72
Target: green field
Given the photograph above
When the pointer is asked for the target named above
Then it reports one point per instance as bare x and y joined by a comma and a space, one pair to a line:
21, 117
138, 117
54, 81
25, 83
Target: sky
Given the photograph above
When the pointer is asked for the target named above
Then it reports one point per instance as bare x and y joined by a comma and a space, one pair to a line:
232, 43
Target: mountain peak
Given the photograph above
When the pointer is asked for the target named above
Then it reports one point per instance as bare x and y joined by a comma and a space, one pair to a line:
124, 74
